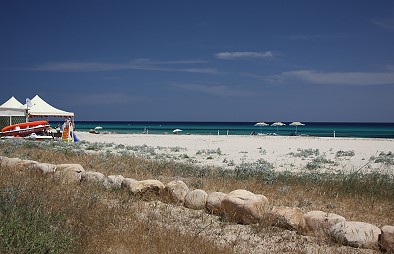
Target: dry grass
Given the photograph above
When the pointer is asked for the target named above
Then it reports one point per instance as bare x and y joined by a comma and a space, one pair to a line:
97, 221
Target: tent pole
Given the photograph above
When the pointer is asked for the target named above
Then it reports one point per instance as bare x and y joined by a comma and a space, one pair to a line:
27, 113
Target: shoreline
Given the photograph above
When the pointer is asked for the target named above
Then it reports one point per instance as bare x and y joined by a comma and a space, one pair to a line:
285, 153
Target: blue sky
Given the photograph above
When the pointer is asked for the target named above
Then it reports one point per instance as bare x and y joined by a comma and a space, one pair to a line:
202, 60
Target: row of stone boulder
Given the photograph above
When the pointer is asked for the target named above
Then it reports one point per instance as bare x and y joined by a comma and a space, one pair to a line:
239, 206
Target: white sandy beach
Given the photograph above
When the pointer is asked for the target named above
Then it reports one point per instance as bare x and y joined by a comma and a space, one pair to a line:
284, 152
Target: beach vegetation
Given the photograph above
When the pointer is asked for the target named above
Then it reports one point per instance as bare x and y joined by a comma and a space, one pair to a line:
120, 146
341, 153
261, 169
262, 151
385, 158
209, 152
318, 162
26, 226
89, 219
218, 151
184, 156
305, 153
177, 149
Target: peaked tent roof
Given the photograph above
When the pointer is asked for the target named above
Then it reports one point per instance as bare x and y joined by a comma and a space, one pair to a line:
12, 107
12, 103
42, 108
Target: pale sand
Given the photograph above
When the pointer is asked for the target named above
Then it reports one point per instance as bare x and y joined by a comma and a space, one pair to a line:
274, 149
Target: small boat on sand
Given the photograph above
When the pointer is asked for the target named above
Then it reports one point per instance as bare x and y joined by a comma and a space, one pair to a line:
24, 129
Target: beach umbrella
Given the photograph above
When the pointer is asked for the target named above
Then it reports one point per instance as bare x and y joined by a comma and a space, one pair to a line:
176, 131
296, 124
277, 124
261, 124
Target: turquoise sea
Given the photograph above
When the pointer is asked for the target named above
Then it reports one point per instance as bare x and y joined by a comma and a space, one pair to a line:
319, 129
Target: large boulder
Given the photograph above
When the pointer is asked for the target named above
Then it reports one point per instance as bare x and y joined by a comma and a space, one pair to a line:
318, 223
243, 206
43, 168
287, 217
93, 177
113, 182
386, 239
214, 203
126, 182
196, 199
356, 234
10, 162
146, 187
69, 173
176, 191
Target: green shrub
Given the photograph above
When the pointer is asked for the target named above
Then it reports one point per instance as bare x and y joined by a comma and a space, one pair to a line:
305, 153
318, 162
385, 158
341, 153
26, 228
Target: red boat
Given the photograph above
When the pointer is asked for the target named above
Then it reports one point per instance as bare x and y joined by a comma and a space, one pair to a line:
24, 129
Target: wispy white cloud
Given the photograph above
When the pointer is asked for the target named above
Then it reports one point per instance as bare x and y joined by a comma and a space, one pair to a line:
386, 23
216, 90
339, 78
244, 55
138, 64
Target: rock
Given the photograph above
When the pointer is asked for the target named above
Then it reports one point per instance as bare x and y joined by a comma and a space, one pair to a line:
356, 234
386, 239
126, 182
287, 217
93, 177
318, 223
214, 203
73, 167
44, 168
113, 182
196, 199
244, 207
69, 173
176, 191
146, 186
10, 162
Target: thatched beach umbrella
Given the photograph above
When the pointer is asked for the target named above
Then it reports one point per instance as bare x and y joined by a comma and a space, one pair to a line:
277, 124
261, 124
296, 124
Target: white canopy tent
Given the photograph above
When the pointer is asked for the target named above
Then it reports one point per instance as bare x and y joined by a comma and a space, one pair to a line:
40, 108
11, 112
11, 103
12, 107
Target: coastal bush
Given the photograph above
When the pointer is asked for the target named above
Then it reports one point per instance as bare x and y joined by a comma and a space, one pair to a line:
261, 169
209, 152
26, 227
385, 158
318, 162
341, 153
305, 153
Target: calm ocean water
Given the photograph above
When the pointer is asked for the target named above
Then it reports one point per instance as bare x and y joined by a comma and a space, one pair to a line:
366, 130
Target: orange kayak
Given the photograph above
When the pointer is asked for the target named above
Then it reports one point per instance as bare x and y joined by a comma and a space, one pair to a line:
24, 125
24, 129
